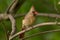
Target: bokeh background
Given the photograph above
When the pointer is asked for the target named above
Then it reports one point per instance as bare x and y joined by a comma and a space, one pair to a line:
42, 6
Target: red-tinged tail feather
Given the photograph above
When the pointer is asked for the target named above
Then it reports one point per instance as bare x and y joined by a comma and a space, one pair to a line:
21, 36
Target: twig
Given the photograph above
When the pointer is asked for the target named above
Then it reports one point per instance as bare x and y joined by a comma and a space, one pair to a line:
5, 16
10, 10
8, 15
13, 24
35, 26
56, 30
50, 15
19, 4
12, 6
41, 14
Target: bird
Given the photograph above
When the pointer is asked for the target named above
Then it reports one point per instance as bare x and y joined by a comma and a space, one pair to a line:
28, 20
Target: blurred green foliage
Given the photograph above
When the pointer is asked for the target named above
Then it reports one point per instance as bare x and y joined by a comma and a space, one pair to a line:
44, 6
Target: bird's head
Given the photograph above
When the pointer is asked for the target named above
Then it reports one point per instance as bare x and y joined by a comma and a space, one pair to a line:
33, 11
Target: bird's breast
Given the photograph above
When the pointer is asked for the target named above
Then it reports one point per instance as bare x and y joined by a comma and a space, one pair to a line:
29, 21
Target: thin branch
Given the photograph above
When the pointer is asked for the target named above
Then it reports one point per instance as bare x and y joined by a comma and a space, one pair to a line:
35, 26
56, 30
19, 4
48, 14
13, 24
41, 14
12, 6
5, 16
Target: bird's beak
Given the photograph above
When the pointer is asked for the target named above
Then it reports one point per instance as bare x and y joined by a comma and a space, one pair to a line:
36, 12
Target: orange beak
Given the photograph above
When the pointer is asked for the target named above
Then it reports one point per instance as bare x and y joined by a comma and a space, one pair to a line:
36, 12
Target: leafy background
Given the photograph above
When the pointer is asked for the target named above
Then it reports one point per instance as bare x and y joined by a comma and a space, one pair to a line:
42, 6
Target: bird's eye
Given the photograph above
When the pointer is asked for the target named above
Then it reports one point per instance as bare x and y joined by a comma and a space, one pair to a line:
33, 11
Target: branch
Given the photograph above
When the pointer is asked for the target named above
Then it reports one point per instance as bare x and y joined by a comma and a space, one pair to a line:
35, 26
41, 14
12, 6
13, 24
6, 16
56, 30
49, 15
19, 4
3, 16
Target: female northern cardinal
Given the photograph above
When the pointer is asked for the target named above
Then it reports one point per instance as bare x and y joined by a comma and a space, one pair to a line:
28, 20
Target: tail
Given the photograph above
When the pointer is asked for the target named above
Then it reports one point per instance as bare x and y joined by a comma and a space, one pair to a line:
21, 36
